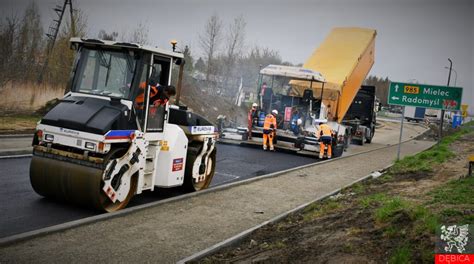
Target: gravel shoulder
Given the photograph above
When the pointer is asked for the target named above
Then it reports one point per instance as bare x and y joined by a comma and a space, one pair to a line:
172, 231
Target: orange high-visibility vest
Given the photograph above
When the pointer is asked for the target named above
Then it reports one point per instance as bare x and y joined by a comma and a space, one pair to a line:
325, 130
140, 99
270, 120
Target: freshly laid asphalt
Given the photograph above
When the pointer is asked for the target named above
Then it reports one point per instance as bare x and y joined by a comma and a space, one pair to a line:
23, 210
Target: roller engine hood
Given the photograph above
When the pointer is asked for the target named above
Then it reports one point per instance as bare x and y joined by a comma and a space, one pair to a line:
91, 115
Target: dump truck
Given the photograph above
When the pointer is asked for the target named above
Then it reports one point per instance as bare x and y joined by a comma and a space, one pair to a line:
98, 147
361, 116
322, 90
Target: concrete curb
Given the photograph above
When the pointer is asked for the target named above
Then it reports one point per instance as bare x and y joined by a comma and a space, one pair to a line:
246, 233
16, 156
89, 220
16, 153
16, 135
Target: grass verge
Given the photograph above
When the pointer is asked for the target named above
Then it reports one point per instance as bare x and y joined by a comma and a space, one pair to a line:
423, 162
17, 123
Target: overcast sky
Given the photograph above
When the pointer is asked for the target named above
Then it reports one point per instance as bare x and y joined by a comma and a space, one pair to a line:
414, 41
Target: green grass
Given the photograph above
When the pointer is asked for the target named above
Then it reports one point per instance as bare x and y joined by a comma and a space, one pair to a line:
373, 200
19, 122
389, 208
357, 188
401, 255
391, 231
277, 245
450, 213
425, 221
455, 192
318, 209
423, 162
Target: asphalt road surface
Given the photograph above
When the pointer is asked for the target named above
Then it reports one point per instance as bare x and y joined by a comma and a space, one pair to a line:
22, 210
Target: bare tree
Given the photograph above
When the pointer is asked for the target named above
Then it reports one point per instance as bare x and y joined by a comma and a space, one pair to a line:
107, 36
8, 33
62, 57
30, 41
140, 34
234, 44
210, 40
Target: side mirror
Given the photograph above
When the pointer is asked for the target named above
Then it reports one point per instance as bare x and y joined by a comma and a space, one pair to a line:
179, 61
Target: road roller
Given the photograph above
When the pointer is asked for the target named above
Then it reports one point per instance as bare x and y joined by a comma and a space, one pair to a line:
98, 147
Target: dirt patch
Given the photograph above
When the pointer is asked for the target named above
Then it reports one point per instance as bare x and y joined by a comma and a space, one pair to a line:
211, 106
390, 218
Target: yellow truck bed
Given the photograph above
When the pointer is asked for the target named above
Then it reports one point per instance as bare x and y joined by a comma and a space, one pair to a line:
344, 59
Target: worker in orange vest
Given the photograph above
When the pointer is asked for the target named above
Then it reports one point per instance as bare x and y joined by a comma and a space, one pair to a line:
325, 138
252, 117
269, 129
159, 95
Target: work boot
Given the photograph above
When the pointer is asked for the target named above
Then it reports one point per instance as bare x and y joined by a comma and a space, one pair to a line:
329, 157
264, 147
320, 156
272, 149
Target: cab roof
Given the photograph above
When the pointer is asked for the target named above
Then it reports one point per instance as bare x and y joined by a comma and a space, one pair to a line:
120, 44
296, 73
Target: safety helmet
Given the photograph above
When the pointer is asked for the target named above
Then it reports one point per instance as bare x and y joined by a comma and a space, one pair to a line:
275, 112
299, 121
254, 105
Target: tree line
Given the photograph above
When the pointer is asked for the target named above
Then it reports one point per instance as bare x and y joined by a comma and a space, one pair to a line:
381, 85
222, 60
24, 46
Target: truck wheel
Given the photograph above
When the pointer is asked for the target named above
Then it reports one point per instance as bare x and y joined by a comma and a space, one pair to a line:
372, 132
245, 136
347, 139
210, 166
337, 150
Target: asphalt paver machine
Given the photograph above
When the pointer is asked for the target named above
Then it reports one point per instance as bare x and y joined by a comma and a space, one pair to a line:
97, 148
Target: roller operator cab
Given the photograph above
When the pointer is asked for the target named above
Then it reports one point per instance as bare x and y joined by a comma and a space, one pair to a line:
109, 138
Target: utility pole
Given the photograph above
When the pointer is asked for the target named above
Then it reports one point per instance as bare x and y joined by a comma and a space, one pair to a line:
442, 110
54, 30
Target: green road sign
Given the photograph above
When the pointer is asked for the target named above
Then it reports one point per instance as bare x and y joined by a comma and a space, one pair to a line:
425, 95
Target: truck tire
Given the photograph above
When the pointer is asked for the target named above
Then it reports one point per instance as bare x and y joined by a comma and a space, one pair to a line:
245, 136
362, 138
372, 132
337, 150
347, 139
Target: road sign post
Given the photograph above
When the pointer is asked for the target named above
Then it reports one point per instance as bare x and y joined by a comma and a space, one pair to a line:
401, 132
424, 95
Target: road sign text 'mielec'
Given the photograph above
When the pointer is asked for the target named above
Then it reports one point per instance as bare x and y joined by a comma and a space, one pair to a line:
429, 96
